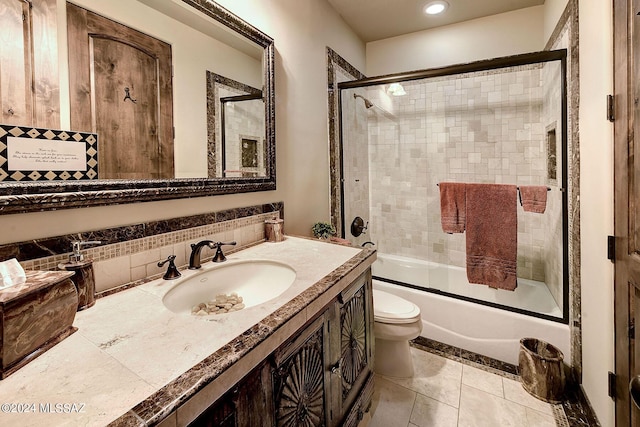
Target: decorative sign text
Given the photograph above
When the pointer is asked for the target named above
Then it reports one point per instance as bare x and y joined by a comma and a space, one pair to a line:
45, 155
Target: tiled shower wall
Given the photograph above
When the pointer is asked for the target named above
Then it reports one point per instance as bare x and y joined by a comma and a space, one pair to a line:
486, 127
552, 218
355, 155
127, 256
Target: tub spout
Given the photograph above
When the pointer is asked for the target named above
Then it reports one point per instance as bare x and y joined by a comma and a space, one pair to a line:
364, 245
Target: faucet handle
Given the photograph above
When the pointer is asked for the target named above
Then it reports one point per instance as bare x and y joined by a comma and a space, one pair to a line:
219, 256
172, 271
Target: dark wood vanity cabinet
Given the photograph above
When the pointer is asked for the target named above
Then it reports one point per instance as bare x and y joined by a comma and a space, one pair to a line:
322, 376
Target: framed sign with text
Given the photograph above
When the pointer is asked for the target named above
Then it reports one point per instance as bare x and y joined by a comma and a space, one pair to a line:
34, 154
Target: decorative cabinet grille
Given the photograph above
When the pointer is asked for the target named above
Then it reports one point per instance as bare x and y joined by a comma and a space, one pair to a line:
299, 384
353, 343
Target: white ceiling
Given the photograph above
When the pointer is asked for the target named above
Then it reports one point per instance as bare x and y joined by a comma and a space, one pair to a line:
380, 19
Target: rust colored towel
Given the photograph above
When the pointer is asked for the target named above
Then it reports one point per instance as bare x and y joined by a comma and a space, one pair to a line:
533, 198
492, 235
452, 207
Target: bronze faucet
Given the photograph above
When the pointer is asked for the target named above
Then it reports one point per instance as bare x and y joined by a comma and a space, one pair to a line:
196, 248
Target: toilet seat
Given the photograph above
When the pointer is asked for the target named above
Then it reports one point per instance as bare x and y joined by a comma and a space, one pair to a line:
392, 309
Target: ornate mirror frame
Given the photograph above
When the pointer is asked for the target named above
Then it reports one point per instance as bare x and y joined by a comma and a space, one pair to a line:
18, 197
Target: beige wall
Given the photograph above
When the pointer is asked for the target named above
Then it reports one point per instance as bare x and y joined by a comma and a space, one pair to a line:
302, 30
596, 198
505, 34
552, 12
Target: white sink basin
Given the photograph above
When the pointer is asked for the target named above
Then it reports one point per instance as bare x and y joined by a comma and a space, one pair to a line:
256, 281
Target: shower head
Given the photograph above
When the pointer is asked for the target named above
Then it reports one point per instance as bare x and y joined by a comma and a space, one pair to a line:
368, 104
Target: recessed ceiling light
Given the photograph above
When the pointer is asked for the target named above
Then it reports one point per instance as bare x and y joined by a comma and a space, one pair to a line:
435, 7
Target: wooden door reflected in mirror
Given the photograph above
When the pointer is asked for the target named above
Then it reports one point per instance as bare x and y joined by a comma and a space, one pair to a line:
129, 98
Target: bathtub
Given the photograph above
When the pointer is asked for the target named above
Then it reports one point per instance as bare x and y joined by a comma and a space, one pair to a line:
468, 325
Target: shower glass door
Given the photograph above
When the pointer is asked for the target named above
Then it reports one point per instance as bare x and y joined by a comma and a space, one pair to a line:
500, 121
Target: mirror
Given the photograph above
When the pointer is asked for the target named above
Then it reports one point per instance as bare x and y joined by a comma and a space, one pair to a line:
223, 109
242, 152
236, 144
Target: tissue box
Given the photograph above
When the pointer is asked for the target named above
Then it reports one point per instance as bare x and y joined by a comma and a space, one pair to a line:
11, 273
35, 316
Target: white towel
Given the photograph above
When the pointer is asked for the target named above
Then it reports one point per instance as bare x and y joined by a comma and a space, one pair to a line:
11, 273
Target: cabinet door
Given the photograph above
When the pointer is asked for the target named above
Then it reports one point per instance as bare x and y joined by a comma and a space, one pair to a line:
254, 399
248, 404
356, 339
220, 414
300, 379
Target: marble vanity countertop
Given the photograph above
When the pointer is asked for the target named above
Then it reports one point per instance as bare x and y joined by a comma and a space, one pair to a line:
134, 362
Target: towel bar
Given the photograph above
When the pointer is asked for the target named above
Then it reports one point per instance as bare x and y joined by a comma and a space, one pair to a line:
548, 188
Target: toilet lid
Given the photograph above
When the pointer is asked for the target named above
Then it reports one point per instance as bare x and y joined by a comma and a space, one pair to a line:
389, 308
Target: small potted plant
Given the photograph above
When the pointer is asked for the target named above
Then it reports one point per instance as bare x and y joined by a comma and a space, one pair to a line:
323, 230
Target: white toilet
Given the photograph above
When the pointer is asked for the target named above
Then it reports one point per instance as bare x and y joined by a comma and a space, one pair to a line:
396, 321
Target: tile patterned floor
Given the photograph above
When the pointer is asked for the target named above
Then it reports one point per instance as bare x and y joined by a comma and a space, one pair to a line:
448, 393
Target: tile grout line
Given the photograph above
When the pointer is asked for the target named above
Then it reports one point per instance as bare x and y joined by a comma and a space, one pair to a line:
460, 393
415, 398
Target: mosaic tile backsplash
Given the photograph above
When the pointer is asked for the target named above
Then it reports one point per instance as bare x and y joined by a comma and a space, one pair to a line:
483, 127
131, 253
